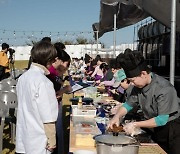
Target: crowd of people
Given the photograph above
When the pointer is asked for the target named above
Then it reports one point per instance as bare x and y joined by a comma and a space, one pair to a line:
130, 80
127, 78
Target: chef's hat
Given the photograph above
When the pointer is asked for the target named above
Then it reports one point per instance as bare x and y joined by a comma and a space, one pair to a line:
132, 62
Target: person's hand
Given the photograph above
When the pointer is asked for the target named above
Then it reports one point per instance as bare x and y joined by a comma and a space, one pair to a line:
67, 88
59, 94
101, 83
50, 148
113, 91
51, 144
132, 129
58, 97
115, 120
98, 81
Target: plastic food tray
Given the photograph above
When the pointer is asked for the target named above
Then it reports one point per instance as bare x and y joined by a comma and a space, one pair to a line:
84, 115
92, 129
89, 110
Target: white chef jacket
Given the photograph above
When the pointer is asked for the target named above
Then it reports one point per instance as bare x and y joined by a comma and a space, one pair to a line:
37, 104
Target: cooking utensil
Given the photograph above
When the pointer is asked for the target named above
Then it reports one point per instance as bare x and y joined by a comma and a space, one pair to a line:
121, 144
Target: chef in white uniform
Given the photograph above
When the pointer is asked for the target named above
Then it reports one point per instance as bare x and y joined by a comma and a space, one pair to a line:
37, 104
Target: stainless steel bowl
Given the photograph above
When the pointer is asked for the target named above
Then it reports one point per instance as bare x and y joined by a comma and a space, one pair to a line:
121, 144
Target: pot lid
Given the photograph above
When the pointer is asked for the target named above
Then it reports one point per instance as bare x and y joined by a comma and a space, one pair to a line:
121, 139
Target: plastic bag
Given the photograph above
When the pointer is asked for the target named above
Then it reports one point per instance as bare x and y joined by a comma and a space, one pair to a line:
131, 129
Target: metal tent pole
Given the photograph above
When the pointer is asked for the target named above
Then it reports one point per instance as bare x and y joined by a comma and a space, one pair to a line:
97, 41
91, 50
114, 37
173, 41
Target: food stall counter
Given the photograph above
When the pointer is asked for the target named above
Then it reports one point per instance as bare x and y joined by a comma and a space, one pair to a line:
87, 144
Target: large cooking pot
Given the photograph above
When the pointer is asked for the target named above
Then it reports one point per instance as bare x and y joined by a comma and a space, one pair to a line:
121, 144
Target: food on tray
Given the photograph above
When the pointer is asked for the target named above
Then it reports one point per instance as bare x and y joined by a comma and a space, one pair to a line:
116, 129
112, 102
86, 125
88, 107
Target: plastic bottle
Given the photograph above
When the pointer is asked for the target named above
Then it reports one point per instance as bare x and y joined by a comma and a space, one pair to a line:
80, 103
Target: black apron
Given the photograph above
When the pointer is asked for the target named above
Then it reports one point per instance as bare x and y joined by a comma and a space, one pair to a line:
168, 136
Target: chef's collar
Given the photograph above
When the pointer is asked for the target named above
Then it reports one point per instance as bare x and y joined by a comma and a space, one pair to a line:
147, 87
46, 71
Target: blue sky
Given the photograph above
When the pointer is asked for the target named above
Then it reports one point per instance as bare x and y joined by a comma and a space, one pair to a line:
24, 20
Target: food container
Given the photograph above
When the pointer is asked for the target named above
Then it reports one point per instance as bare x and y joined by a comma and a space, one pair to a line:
90, 92
121, 144
85, 110
86, 114
86, 128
